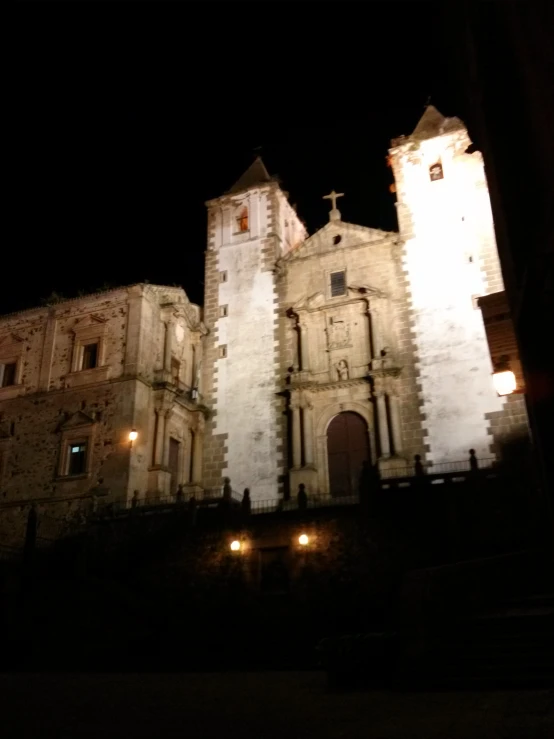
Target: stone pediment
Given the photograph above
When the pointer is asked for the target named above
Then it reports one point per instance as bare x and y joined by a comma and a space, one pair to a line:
10, 340
76, 420
318, 299
89, 321
311, 302
337, 235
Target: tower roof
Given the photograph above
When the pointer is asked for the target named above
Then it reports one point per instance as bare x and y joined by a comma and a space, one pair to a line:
432, 123
256, 174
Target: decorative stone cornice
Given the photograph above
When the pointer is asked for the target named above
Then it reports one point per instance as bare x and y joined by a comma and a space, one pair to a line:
315, 387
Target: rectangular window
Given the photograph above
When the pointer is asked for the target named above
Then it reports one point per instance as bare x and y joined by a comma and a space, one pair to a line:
9, 373
90, 356
435, 172
338, 284
223, 311
223, 276
77, 463
223, 351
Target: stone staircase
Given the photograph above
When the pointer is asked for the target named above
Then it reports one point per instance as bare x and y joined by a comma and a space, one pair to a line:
510, 645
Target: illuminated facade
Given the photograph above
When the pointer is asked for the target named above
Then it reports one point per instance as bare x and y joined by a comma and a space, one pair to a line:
353, 344
313, 355
77, 378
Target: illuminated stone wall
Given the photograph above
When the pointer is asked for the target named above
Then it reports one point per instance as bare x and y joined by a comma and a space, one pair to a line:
449, 259
54, 399
366, 327
244, 434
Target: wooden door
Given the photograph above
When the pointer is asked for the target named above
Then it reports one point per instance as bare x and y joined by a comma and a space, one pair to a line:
174, 448
347, 450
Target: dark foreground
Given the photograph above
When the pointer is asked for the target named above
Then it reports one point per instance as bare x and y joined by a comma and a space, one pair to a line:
259, 706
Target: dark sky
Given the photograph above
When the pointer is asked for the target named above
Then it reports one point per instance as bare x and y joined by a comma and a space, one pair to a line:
128, 116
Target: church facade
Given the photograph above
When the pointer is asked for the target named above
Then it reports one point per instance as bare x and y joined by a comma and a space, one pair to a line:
353, 344
313, 354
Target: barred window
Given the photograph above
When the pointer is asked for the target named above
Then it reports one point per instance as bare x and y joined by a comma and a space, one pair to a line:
338, 283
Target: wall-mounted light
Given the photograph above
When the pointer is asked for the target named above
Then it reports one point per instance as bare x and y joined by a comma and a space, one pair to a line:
303, 540
504, 382
503, 378
133, 436
235, 546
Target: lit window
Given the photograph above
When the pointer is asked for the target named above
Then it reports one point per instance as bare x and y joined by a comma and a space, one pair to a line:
435, 172
242, 220
338, 284
90, 356
8, 372
77, 462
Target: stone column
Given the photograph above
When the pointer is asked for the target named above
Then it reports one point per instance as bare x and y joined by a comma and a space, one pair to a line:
376, 340
304, 346
160, 435
308, 435
394, 406
198, 454
166, 440
48, 352
296, 439
167, 346
383, 424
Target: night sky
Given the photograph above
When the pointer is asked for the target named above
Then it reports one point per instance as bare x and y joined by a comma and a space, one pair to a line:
128, 117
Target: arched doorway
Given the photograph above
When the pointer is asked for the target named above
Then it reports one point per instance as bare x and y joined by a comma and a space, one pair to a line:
347, 450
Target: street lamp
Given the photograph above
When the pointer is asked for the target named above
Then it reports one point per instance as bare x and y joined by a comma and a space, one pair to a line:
133, 435
303, 540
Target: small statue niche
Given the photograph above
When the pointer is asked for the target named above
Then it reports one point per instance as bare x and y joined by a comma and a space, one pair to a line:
342, 370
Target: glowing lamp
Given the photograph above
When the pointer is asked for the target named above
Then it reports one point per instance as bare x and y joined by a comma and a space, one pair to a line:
235, 546
303, 540
133, 435
504, 382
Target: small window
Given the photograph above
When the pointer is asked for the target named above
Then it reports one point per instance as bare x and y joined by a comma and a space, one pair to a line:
8, 374
90, 356
77, 462
242, 220
435, 172
338, 284
223, 311
223, 276
175, 369
337, 239
223, 351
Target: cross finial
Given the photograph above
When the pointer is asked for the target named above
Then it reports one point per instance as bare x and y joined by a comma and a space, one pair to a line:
334, 215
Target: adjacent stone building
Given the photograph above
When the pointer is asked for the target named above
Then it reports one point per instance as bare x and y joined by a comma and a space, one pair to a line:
78, 377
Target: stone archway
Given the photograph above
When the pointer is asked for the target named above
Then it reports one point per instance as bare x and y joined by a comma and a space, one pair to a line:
347, 450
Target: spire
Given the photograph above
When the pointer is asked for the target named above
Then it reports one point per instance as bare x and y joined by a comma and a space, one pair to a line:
432, 123
256, 174
334, 215
429, 124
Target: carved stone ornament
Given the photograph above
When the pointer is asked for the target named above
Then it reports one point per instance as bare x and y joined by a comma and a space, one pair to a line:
338, 333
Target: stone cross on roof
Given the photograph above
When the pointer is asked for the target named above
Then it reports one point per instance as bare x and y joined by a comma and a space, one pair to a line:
334, 215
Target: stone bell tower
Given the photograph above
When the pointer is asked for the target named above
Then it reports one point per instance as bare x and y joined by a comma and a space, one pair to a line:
249, 229
449, 260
